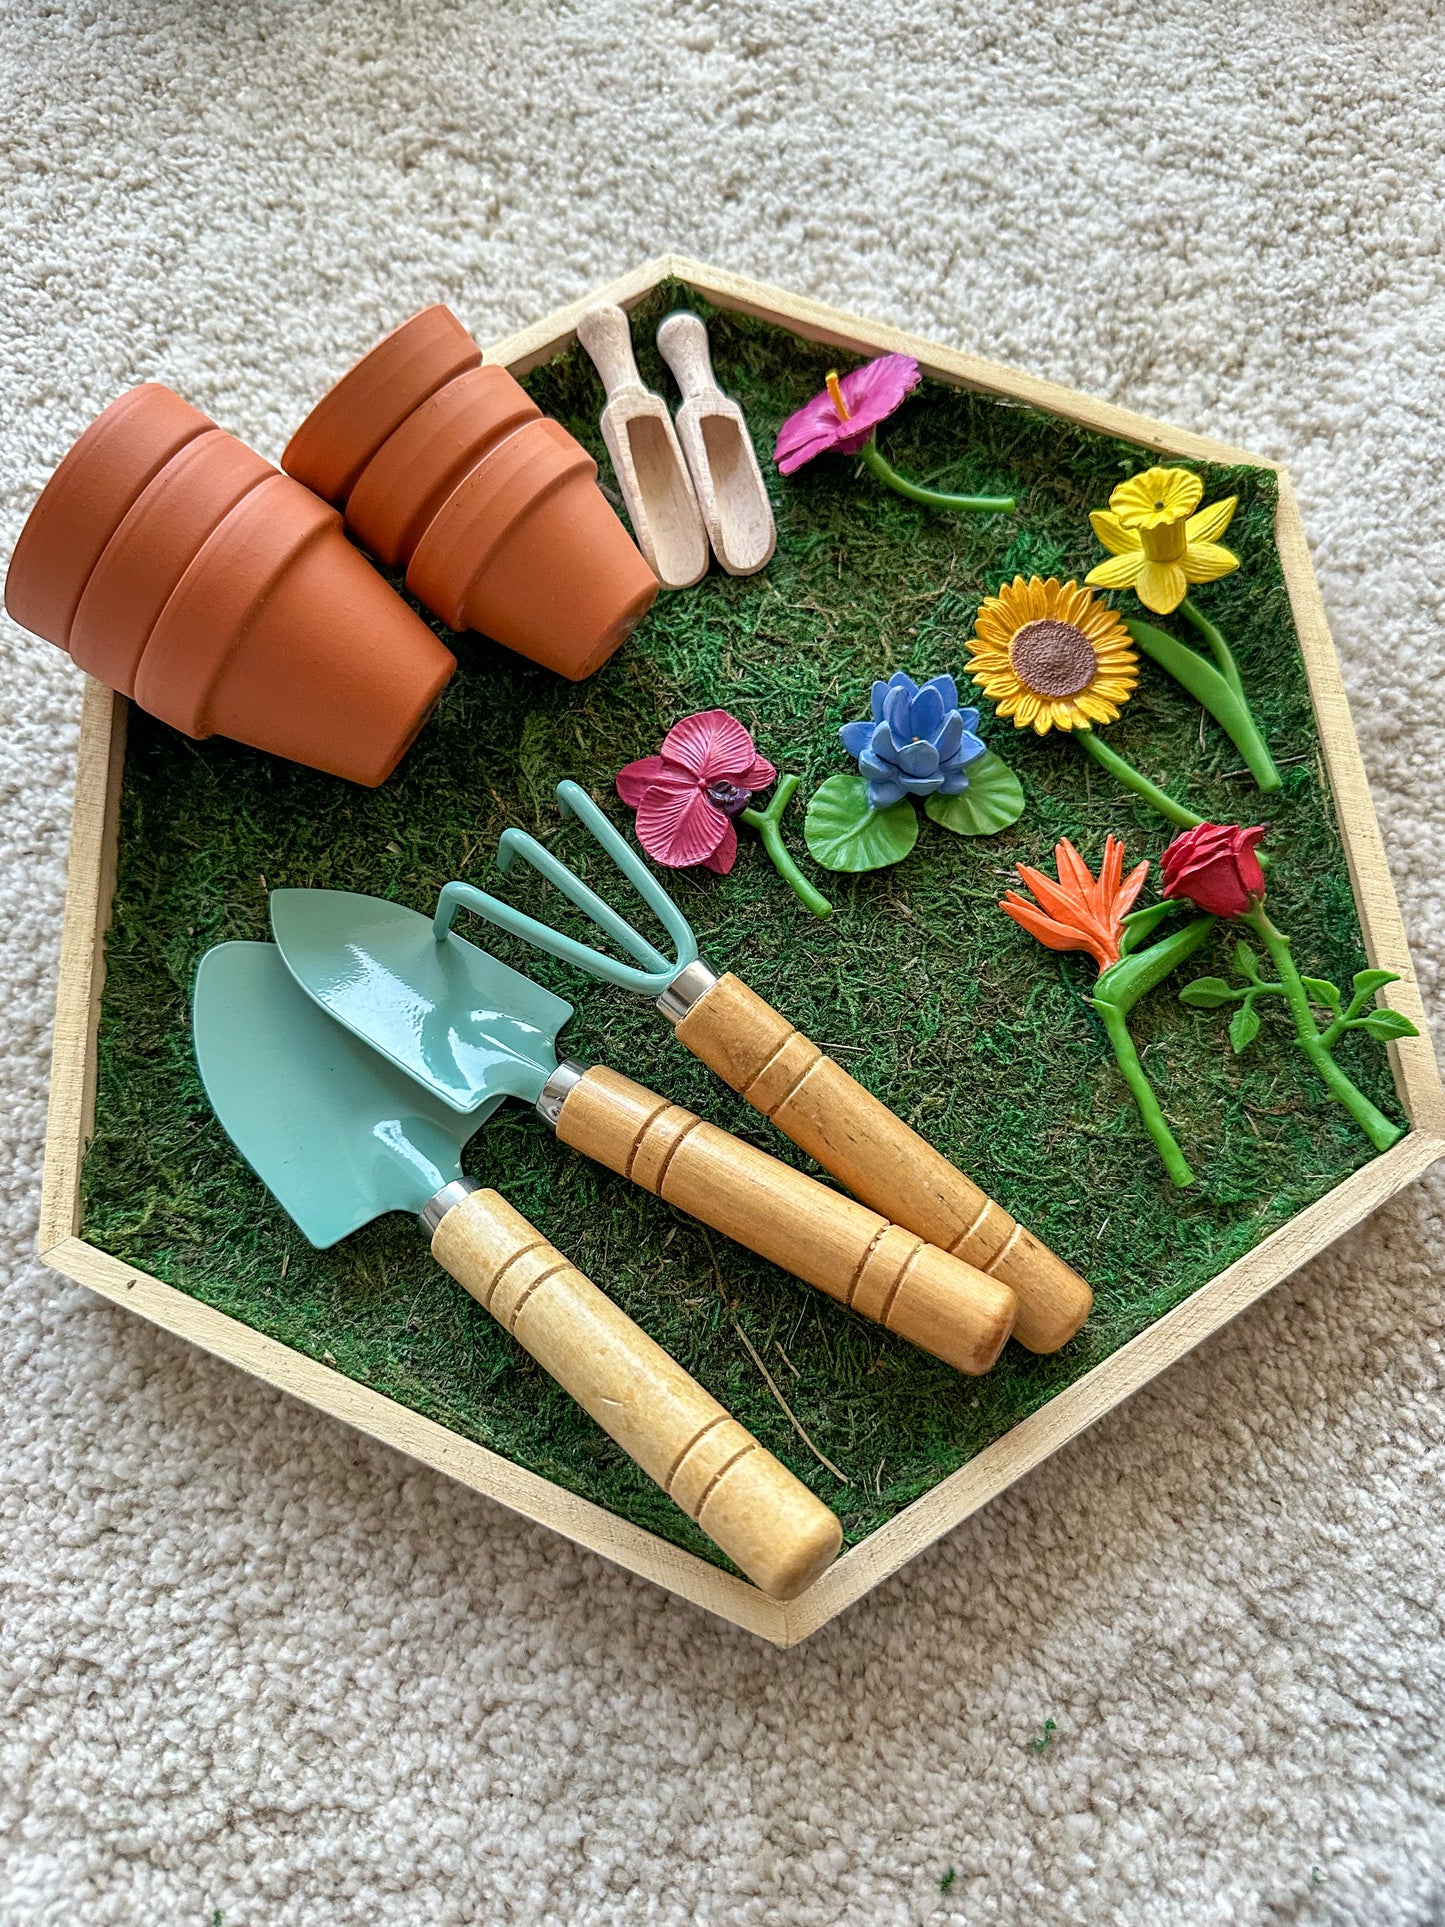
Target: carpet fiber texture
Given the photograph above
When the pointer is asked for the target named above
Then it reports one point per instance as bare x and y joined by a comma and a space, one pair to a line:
256, 1670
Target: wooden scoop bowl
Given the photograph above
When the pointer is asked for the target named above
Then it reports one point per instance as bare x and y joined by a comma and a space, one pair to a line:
719, 450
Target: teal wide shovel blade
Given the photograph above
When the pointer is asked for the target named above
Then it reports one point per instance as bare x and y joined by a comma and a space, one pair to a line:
469, 1028
329, 1127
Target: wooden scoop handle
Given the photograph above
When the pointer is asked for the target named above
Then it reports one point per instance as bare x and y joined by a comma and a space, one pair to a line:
765, 1520
606, 334
886, 1273
850, 1133
682, 343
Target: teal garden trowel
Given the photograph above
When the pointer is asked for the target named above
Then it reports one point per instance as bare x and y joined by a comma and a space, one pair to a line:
339, 1136
469, 1031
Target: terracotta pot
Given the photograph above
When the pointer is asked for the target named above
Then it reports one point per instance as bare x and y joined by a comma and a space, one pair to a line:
416, 468
282, 635
86, 498
527, 550
352, 420
492, 511
151, 549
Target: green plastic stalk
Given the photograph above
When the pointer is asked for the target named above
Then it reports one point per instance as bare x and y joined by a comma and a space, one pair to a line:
1221, 695
768, 824
931, 498
1131, 778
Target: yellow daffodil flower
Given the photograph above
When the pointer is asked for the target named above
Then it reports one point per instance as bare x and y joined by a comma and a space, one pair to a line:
1157, 543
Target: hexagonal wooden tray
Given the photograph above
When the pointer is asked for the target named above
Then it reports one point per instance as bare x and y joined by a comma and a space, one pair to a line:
82, 964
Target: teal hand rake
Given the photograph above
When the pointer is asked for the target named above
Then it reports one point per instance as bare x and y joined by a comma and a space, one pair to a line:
783, 1075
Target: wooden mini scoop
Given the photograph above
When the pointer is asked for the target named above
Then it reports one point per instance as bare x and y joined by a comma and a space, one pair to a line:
656, 489
795, 1084
719, 451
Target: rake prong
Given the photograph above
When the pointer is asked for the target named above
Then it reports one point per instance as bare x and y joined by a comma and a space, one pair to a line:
575, 801
517, 843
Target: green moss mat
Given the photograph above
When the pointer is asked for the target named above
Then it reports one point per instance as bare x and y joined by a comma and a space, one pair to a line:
977, 1035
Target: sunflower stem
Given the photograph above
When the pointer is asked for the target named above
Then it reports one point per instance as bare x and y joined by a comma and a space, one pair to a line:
930, 497
1127, 1057
1375, 1125
1134, 779
766, 823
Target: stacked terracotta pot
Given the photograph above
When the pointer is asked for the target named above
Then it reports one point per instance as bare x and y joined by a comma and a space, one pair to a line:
180, 568
448, 470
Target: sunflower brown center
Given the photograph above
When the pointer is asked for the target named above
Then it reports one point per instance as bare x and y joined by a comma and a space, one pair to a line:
1053, 658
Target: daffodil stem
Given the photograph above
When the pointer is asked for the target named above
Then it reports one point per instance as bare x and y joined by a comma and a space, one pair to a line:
1220, 693
930, 497
1134, 779
1165, 1142
1223, 654
766, 823
1375, 1125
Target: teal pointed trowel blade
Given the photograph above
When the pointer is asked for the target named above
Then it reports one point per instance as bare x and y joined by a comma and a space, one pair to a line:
468, 1027
330, 1128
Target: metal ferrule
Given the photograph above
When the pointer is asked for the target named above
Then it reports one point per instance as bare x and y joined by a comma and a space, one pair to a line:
440, 1202
688, 987
558, 1088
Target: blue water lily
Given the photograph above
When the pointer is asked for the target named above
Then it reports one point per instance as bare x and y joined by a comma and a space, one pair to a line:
917, 743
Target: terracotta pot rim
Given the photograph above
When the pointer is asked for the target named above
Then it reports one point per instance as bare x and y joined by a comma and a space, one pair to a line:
137, 546
185, 657
347, 426
469, 521
43, 591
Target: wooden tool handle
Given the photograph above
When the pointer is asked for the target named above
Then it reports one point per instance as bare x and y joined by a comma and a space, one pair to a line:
682, 343
850, 1133
764, 1519
880, 1270
606, 334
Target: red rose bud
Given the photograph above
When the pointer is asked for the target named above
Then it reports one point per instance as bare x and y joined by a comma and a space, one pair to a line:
1215, 867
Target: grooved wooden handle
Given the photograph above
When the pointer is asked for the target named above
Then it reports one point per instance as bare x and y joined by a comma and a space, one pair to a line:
682, 343
765, 1520
850, 1133
880, 1270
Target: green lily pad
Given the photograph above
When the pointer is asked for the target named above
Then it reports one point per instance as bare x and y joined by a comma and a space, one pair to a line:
843, 833
994, 799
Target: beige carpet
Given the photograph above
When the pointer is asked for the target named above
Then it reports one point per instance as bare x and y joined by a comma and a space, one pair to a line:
259, 1672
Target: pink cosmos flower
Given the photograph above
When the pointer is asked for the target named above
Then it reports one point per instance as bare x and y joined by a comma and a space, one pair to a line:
687, 796
845, 415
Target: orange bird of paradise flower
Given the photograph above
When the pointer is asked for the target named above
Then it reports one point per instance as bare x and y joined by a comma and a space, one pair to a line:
1079, 911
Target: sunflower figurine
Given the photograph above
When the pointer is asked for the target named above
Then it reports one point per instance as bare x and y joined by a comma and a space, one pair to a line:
1051, 655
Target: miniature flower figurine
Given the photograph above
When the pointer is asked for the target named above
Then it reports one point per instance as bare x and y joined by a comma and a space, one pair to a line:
1216, 867
918, 742
687, 799
1052, 656
1157, 544
1159, 541
1079, 911
842, 420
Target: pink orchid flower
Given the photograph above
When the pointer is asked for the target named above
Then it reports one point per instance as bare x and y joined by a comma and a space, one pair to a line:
686, 797
845, 415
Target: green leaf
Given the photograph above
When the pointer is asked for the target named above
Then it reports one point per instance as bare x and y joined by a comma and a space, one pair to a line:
1246, 963
1208, 993
1322, 992
1140, 923
1368, 981
1244, 1026
843, 833
1385, 1024
1125, 982
994, 799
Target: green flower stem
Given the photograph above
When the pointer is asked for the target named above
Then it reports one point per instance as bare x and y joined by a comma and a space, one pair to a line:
1375, 1125
1175, 1162
931, 498
1223, 654
1131, 778
766, 823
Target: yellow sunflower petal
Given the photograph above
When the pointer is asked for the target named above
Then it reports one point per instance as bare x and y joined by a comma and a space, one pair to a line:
1211, 523
1097, 708
1119, 572
1207, 561
1111, 532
